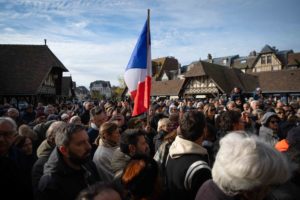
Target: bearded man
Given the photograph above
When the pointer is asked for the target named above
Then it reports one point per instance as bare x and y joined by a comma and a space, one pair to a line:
69, 168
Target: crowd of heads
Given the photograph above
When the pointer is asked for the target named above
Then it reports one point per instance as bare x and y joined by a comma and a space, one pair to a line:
250, 142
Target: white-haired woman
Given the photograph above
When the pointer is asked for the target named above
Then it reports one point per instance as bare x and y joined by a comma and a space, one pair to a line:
244, 168
163, 128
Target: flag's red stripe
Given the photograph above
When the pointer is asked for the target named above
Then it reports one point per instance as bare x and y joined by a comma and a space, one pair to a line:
141, 97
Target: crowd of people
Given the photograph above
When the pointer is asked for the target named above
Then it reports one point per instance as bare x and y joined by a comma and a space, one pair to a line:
236, 148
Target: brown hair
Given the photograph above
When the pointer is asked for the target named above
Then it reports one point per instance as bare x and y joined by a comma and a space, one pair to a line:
25, 130
207, 108
107, 128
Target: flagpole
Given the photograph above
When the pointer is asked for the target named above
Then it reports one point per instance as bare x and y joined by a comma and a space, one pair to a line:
148, 18
148, 27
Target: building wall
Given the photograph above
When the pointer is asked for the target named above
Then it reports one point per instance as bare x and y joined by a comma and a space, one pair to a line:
106, 91
267, 62
200, 85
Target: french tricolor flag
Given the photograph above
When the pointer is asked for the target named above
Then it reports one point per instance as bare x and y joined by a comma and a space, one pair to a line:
138, 72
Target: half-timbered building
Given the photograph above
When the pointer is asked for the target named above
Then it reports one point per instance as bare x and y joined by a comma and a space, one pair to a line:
30, 73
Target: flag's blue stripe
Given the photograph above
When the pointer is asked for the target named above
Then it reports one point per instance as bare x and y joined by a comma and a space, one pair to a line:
138, 58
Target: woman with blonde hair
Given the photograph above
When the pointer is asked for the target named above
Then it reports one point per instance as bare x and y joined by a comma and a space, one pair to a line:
107, 141
209, 111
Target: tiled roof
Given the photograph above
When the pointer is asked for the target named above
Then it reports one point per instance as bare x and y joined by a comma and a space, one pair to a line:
225, 78
166, 64
166, 88
244, 62
267, 49
279, 81
283, 56
24, 67
220, 60
294, 59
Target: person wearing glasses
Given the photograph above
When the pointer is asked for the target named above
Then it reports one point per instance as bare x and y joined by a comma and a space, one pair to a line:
12, 163
268, 132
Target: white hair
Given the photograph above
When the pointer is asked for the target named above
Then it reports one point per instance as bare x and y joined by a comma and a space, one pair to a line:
53, 129
13, 112
244, 163
162, 122
254, 102
10, 121
75, 120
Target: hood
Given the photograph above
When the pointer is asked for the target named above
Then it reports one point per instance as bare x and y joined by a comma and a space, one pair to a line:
266, 130
266, 116
44, 150
181, 147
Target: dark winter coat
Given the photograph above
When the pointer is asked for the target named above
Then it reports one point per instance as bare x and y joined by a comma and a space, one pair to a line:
43, 154
210, 191
16, 166
93, 134
63, 182
85, 117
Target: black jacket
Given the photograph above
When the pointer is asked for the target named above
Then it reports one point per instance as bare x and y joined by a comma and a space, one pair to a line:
187, 168
63, 182
85, 117
210, 191
15, 170
177, 170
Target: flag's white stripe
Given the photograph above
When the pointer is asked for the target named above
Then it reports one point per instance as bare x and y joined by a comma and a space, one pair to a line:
134, 76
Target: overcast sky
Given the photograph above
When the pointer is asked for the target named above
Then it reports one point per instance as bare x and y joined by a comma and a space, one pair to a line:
94, 38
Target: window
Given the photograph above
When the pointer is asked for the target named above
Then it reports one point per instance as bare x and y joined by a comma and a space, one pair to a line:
243, 61
263, 60
269, 59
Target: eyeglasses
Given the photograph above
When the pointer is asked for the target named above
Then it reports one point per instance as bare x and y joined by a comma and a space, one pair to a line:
273, 122
279, 113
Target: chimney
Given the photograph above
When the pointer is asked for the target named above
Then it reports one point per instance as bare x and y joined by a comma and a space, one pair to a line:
209, 58
45, 40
